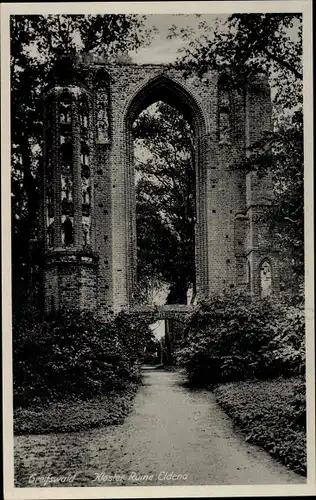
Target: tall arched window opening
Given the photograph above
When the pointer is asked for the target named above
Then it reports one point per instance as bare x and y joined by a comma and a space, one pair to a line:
164, 156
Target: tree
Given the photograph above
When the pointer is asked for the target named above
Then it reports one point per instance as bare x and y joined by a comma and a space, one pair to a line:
165, 202
243, 46
282, 153
247, 44
36, 42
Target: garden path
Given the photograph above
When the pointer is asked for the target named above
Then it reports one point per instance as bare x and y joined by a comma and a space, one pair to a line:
171, 429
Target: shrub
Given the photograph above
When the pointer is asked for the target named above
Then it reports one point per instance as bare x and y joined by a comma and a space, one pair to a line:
75, 354
272, 414
236, 338
285, 353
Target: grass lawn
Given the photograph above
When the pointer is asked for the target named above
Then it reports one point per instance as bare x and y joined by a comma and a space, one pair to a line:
272, 414
70, 416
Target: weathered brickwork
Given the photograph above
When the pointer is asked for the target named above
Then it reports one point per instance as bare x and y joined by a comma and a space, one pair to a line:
93, 264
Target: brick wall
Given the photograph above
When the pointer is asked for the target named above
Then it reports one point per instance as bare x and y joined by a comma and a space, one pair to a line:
227, 200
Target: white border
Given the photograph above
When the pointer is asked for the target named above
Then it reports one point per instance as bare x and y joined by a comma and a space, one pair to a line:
222, 7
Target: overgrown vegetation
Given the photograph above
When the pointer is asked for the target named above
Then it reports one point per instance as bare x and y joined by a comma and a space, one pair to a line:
165, 203
230, 339
252, 354
75, 355
243, 46
272, 414
236, 338
68, 415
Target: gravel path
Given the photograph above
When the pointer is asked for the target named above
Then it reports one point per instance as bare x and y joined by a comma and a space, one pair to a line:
173, 436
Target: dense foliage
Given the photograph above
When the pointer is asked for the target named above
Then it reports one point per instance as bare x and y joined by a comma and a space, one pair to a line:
71, 415
243, 46
234, 338
281, 153
75, 354
272, 414
165, 202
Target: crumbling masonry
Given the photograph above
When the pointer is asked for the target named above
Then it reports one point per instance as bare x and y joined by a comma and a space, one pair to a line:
88, 200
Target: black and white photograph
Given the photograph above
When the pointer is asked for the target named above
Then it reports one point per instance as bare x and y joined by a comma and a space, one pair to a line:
157, 237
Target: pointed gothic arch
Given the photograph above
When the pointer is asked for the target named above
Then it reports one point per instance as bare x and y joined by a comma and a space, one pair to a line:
169, 90
102, 253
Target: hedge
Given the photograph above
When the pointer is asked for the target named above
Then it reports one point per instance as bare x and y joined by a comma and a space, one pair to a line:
75, 354
236, 338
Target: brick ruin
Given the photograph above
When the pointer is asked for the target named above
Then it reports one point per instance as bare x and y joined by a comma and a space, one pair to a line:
88, 217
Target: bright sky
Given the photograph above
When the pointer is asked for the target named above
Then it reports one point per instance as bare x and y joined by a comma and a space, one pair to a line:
158, 329
162, 50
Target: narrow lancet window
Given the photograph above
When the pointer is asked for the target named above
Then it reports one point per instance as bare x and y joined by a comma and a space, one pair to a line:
50, 235
266, 279
248, 282
67, 232
224, 111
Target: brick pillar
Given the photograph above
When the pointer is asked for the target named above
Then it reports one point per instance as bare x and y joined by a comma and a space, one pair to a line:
241, 229
56, 167
202, 163
76, 168
259, 190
